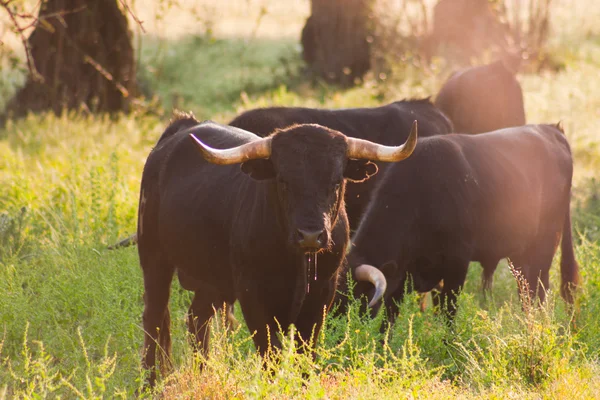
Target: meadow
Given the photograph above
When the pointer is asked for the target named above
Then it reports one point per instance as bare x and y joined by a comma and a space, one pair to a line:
70, 310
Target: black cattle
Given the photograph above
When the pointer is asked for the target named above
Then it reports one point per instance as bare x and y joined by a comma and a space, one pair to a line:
387, 125
462, 198
249, 229
483, 98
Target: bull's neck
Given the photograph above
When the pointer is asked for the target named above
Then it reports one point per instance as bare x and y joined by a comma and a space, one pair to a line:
297, 258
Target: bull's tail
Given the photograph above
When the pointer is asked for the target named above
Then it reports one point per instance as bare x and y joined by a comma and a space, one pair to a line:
129, 241
569, 269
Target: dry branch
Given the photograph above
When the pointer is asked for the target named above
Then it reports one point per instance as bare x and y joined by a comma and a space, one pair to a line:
135, 18
20, 31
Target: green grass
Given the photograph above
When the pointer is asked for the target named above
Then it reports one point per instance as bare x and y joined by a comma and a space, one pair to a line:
211, 75
70, 310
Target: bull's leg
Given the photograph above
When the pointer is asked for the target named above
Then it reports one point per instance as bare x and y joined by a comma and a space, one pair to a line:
232, 322
540, 260
164, 343
423, 301
531, 270
487, 277
204, 305
453, 283
522, 272
435, 294
156, 320
316, 303
435, 297
518, 265
263, 316
392, 302
543, 282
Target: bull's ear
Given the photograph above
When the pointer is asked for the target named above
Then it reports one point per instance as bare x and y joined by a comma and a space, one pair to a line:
259, 169
359, 170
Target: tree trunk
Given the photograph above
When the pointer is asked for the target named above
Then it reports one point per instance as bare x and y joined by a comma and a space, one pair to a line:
335, 40
83, 53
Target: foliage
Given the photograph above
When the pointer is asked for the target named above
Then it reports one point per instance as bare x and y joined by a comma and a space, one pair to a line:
208, 79
528, 25
406, 32
399, 28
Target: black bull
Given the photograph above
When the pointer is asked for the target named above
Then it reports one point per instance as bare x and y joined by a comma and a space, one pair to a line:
462, 198
246, 233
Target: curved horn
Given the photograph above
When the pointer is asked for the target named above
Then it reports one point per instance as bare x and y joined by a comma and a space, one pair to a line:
364, 149
249, 151
368, 273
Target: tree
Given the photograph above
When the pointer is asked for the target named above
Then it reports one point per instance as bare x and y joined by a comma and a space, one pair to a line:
335, 40
79, 56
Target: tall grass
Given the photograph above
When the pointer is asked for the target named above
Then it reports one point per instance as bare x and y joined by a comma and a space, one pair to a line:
70, 310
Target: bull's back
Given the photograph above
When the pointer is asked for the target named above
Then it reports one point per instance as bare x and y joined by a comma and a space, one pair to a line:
488, 193
482, 99
264, 121
389, 124
361, 123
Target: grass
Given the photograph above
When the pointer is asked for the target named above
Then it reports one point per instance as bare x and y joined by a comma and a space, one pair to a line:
197, 72
70, 310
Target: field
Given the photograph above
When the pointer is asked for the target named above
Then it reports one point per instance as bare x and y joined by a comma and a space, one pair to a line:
70, 310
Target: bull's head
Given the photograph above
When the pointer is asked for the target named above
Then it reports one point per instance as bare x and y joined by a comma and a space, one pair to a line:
309, 165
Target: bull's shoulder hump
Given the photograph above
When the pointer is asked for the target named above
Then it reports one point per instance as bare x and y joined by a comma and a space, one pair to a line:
551, 133
520, 137
533, 131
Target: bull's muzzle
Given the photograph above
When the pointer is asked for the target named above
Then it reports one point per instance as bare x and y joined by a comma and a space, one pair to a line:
311, 240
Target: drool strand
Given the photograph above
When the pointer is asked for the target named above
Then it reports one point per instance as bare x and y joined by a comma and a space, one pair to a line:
311, 269
308, 267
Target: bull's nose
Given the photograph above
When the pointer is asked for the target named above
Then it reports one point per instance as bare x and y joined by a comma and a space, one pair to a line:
311, 239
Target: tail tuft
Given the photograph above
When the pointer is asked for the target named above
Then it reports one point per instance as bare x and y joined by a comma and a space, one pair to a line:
569, 269
129, 241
